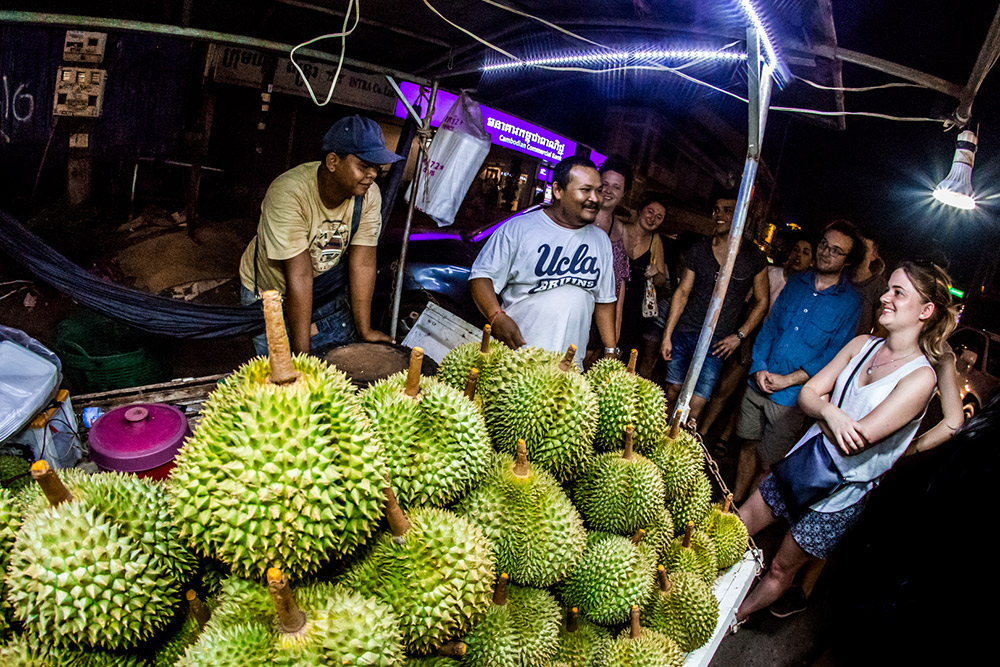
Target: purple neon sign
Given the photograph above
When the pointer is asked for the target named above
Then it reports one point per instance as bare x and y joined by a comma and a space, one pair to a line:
504, 129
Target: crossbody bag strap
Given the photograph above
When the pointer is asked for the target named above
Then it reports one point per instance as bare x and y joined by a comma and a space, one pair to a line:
855, 371
356, 218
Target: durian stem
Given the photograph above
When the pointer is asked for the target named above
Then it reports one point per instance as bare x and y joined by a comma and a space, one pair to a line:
413, 375
500, 592
198, 609
727, 503
279, 352
688, 530
675, 428
52, 486
629, 434
291, 619
484, 347
567, 360
398, 523
633, 357
451, 650
470, 384
634, 628
521, 463
573, 621
639, 534
661, 573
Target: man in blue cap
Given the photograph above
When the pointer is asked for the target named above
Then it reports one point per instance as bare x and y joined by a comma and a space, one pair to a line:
312, 216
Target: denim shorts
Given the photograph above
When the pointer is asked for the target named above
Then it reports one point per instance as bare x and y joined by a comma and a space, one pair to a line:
334, 320
680, 360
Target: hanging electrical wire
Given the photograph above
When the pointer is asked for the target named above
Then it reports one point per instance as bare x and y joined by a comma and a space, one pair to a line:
862, 89
343, 34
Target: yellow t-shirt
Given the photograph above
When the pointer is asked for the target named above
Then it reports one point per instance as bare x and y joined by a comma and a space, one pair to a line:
293, 219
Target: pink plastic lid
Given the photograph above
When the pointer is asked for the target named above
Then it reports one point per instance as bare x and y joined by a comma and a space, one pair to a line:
135, 438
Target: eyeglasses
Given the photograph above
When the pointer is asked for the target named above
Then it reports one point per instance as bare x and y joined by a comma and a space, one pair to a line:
823, 246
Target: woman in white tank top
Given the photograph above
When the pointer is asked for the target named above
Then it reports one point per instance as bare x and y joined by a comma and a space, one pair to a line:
879, 415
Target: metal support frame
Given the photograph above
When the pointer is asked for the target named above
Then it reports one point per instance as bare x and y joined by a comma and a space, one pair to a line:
759, 81
423, 146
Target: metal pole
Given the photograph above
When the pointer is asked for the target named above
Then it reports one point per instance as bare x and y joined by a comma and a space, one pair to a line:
759, 102
414, 189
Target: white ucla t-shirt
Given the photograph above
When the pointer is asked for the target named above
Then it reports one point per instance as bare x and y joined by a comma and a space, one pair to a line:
548, 278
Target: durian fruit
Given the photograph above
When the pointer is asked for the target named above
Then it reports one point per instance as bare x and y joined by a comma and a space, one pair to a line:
28, 651
508, 366
693, 505
282, 470
684, 609
246, 644
658, 535
14, 472
613, 575
520, 629
456, 366
241, 601
679, 460
551, 408
536, 532
692, 552
9, 521
581, 643
619, 493
194, 620
101, 567
434, 568
625, 399
728, 532
430, 661
433, 438
642, 647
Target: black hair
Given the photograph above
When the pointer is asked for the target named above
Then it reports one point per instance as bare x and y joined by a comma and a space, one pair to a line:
727, 193
653, 197
560, 174
847, 228
619, 165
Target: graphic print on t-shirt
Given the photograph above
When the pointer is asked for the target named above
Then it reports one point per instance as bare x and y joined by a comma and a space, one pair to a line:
555, 269
328, 244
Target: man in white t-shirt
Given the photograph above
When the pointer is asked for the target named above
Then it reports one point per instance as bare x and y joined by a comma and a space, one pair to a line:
552, 269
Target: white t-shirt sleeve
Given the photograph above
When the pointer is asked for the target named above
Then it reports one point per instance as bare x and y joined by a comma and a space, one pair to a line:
496, 259
606, 283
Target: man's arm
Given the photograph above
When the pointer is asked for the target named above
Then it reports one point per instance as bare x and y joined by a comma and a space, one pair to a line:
298, 300
504, 328
677, 303
361, 270
728, 345
604, 315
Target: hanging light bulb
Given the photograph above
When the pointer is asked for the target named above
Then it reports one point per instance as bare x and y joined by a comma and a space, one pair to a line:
956, 189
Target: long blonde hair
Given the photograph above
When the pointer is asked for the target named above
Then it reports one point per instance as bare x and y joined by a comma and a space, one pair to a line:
933, 283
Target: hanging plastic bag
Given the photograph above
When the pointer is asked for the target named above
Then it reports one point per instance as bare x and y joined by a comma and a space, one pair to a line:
649, 303
456, 154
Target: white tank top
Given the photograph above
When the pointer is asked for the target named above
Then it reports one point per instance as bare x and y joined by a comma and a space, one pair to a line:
862, 471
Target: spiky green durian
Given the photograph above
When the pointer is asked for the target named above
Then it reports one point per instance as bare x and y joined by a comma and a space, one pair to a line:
246, 644
520, 629
9, 521
626, 399
458, 363
104, 558
14, 472
679, 460
684, 609
283, 470
536, 532
642, 647
619, 492
430, 661
241, 601
728, 532
693, 505
553, 410
603, 369
658, 535
581, 643
434, 441
613, 575
692, 552
435, 569
28, 651
509, 365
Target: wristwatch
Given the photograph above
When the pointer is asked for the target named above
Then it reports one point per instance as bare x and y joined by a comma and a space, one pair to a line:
739, 334
612, 350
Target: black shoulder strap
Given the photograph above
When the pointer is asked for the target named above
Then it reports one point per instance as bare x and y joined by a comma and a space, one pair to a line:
356, 218
855, 371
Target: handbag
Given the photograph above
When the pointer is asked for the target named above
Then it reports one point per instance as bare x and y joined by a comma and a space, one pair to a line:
809, 473
650, 307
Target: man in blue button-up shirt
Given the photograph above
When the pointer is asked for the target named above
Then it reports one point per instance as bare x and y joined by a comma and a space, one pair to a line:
815, 315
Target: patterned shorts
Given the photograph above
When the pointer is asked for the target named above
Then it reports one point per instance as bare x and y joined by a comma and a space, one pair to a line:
817, 533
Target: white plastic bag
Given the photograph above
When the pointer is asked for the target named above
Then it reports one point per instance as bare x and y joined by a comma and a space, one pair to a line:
27, 383
456, 154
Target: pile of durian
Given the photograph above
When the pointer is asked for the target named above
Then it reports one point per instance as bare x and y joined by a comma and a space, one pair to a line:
511, 512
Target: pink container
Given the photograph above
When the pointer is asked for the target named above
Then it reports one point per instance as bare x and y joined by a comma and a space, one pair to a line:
141, 439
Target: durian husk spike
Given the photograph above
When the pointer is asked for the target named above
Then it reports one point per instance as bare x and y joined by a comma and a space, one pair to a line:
398, 523
629, 454
633, 618
573, 620
197, 608
688, 530
661, 574
675, 427
279, 352
727, 503
51, 485
521, 462
500, 592
451, 650
639, 534
470, 384
413, 375
291, 619
633, 358
484, 347
567, 360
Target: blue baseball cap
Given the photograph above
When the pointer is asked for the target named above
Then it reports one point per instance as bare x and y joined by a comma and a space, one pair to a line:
359, 136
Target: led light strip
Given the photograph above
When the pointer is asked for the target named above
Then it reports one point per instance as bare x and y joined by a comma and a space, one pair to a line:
620, 57
765, 35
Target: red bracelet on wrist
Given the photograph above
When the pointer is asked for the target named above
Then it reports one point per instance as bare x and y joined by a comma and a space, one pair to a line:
493, 317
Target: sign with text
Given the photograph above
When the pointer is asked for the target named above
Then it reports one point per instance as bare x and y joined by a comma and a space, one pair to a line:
504, 129
245, 67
